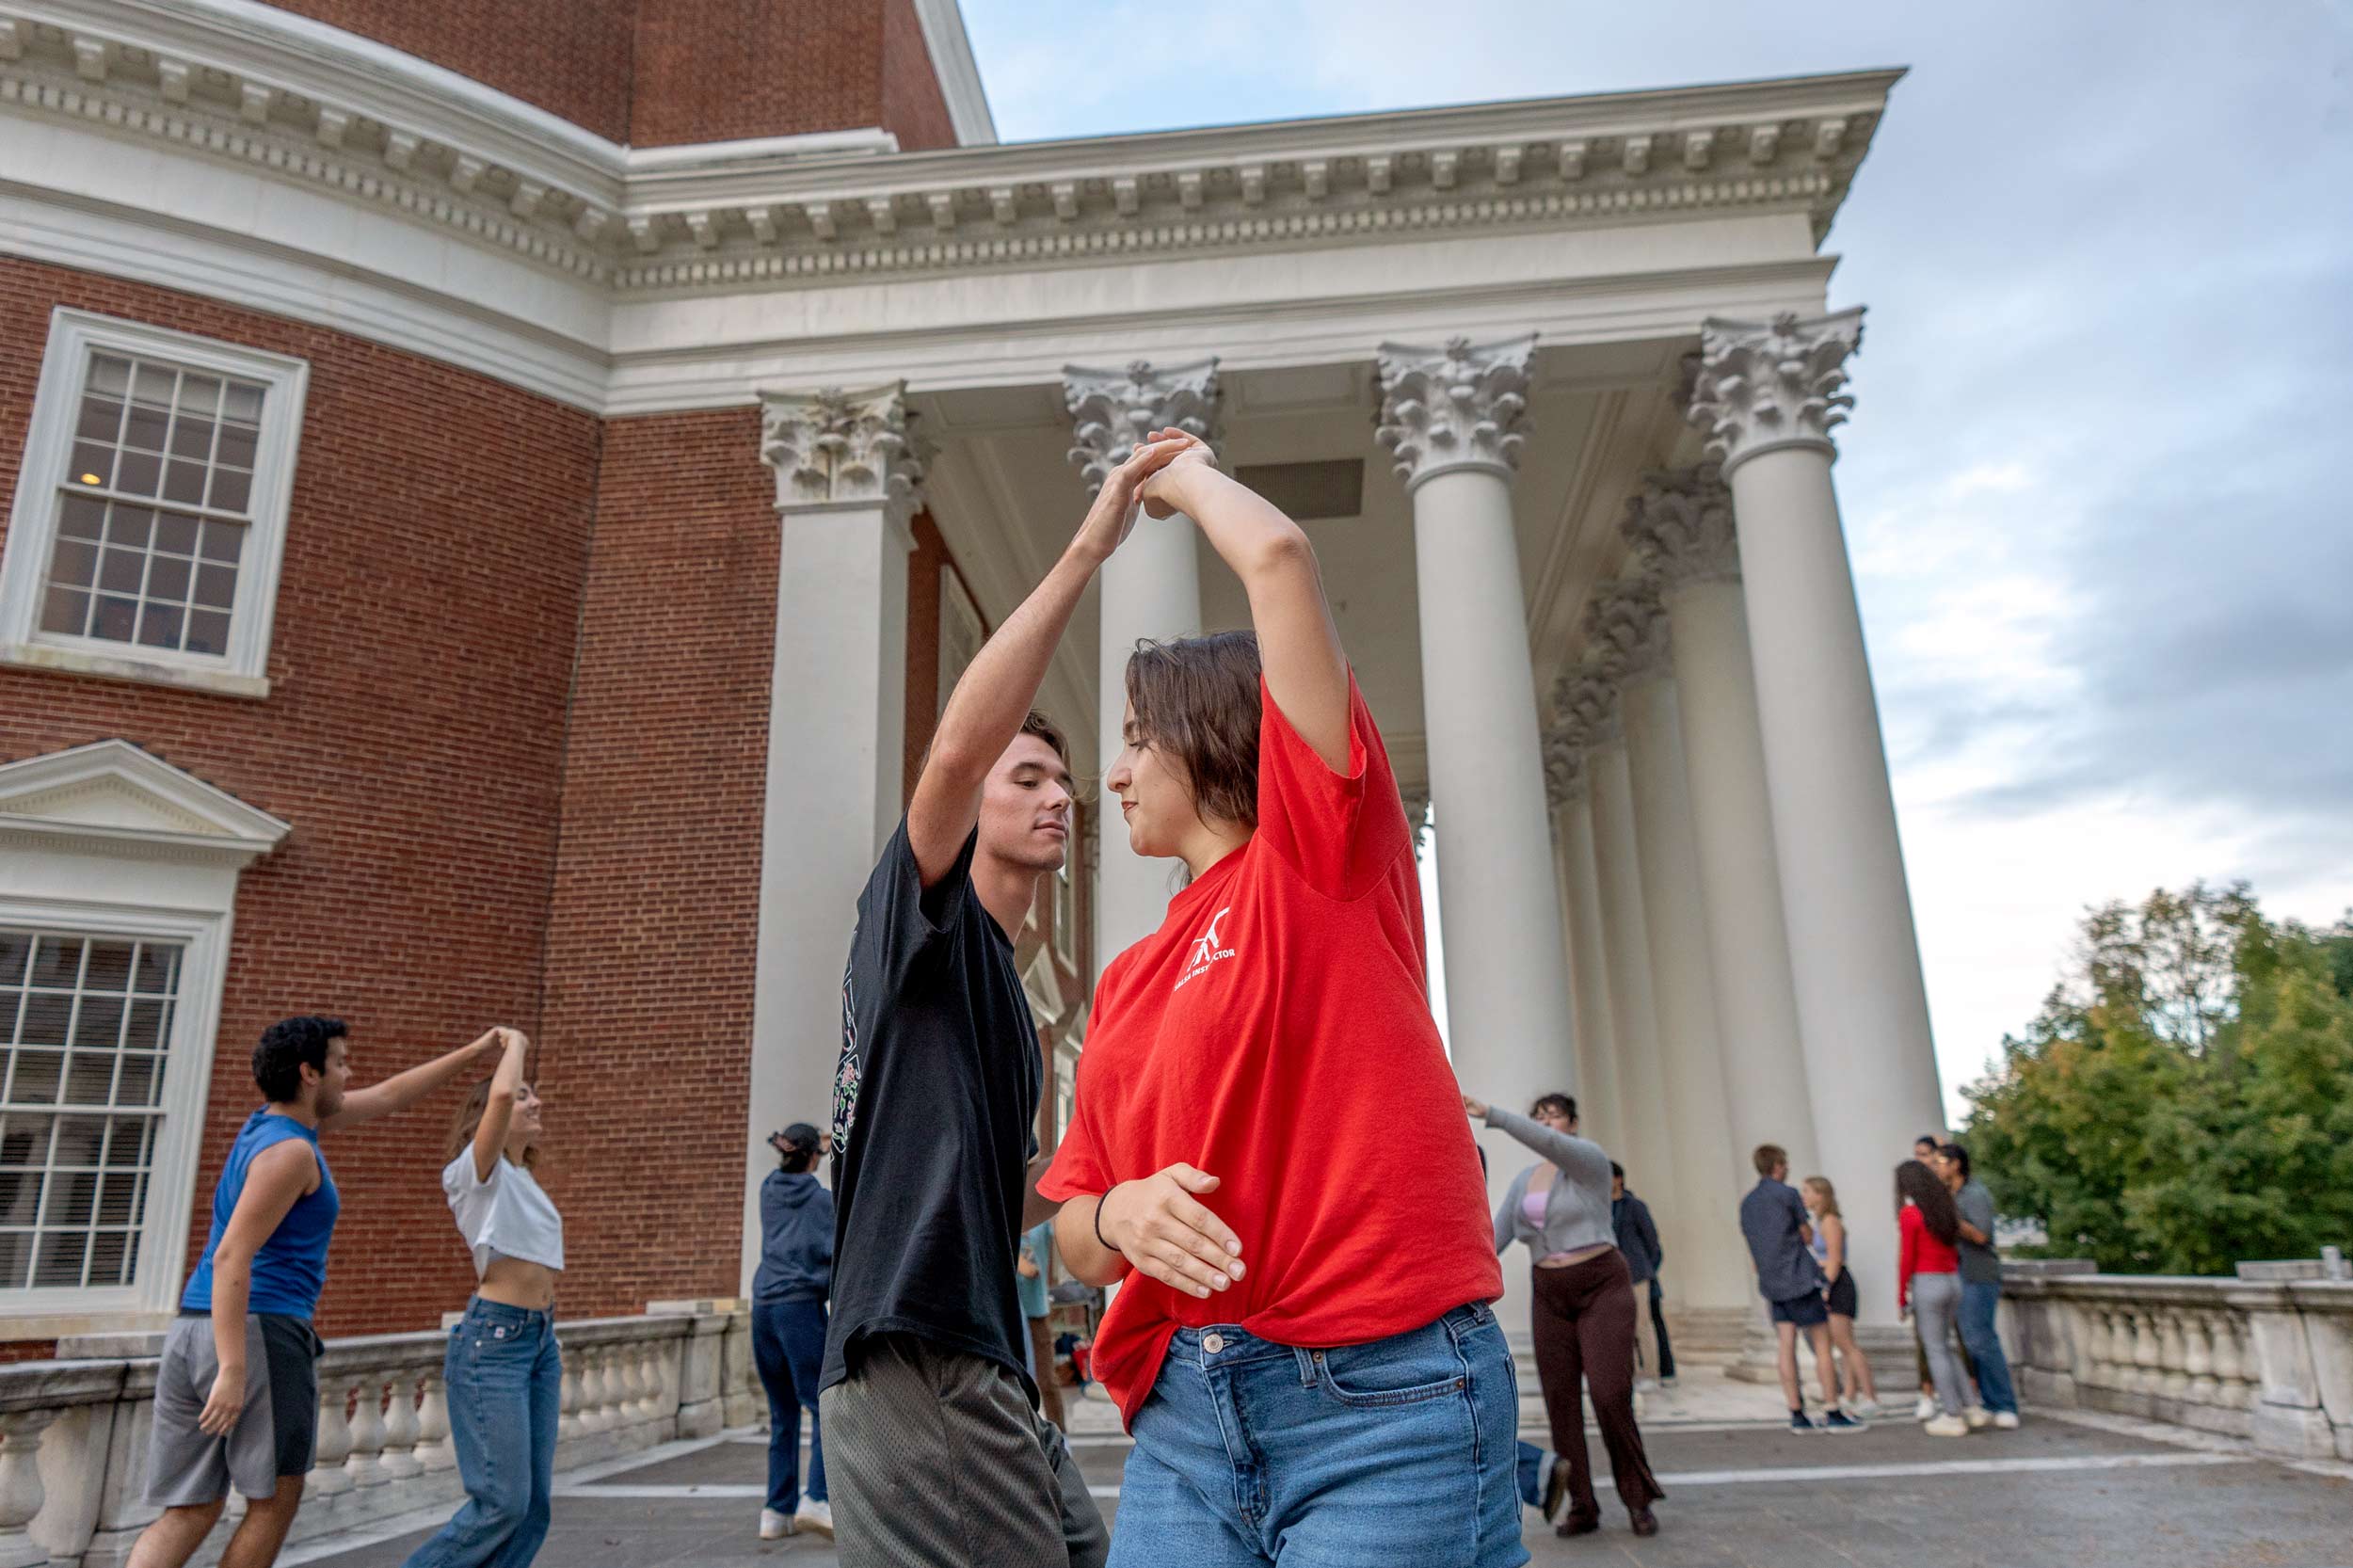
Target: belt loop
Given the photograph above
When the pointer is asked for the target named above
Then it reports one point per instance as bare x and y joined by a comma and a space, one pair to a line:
1307, 1366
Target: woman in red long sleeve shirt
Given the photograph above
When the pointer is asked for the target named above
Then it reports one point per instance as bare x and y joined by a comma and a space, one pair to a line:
1928, 1284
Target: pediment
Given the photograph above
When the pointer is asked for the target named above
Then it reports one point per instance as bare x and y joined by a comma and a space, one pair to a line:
111, 796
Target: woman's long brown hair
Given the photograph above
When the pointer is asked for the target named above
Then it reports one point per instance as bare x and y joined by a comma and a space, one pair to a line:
1927, 1193
1196, 702
467, 1121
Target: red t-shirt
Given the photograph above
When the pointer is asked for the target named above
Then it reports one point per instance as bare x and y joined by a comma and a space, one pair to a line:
1919, 1251
1275, 1034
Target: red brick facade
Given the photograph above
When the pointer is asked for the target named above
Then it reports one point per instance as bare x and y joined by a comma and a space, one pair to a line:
413, 734
663, 72
518, 718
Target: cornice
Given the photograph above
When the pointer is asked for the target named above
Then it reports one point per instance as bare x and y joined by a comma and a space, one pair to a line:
315, 106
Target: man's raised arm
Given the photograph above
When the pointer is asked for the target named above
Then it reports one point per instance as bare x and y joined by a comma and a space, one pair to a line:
999, 689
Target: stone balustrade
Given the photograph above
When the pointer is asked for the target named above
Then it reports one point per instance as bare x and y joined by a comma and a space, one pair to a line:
74, 1432
2266, 1355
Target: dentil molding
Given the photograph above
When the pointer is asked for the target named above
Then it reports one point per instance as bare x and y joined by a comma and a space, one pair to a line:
833, 446
1111, 410
315, 106
1454, 408
1680, 524
1766, 385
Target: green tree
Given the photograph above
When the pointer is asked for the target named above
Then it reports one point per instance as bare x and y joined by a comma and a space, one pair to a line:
2184, 1098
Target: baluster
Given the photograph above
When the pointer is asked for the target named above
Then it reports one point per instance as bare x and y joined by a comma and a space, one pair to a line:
629, 1391
366, 1464
567, 1427
21, 1491
2148, 1355
435, 1453
2101, 1345
650, 1380
2233, 1367
402, 1431
662, 1399
2199, 1360
327, 1476
593, 1417
2174, 1356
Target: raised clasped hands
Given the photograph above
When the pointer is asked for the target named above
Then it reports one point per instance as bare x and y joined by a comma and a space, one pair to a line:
1159, 1226
1106, 523
1157, 493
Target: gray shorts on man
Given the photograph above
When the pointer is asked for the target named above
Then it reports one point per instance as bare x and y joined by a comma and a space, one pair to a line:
276, 1434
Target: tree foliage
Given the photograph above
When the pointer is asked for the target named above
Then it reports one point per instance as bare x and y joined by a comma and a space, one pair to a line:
2184, 1098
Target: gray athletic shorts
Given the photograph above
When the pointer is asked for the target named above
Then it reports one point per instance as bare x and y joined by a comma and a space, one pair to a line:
277, 1433
936, 1459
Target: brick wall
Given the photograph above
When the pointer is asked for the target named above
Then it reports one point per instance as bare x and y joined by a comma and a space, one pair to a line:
720, 70
414, 736
570, 57
657, 894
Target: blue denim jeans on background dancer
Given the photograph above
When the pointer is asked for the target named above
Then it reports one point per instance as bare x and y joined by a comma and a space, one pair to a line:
789, 1351
505, 1382
1400, 1450
1531, 1474
1980, 1305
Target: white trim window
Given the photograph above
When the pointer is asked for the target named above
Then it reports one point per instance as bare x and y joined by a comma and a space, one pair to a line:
151, 506
1066, 898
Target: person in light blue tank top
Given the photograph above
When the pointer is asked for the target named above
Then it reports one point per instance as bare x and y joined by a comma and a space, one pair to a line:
237, 1387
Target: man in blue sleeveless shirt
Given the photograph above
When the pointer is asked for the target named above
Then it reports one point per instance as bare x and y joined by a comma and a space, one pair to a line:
237, 1392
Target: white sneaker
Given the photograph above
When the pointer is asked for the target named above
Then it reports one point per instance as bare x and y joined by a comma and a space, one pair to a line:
1977, 1417
1925, 1410
815, 1517
1867, 1410
1946, 1425
2006, 1419
774, 1526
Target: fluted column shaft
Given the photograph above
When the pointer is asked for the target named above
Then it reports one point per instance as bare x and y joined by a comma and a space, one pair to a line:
1451, 416
1681, 525
1767, 395
1149, 589
847, 473
1588, 975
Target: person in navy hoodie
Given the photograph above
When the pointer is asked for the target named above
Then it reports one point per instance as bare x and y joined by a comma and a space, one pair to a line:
237, 1388
789, 1327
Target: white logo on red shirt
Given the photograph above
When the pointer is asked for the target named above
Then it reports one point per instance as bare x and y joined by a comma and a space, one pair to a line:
1204, 950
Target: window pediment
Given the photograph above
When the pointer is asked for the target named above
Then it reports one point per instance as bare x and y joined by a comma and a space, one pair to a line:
114, 795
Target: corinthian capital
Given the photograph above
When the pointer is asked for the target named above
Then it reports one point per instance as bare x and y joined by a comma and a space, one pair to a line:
1564, 765
1586, 700
1111, 411
834, 446
1454, 408
1680, 525
1764, 385
1627, 620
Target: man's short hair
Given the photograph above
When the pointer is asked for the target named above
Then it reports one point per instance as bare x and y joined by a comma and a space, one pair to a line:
1768, 1157
289, 1045
1565, 1104
1047, 730
1957, 1155
1933, 1140
1617, 1171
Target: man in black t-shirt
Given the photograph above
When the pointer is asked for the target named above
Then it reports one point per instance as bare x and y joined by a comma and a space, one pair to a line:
935, 1450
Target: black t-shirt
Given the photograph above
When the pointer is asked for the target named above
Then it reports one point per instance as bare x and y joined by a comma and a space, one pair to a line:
935, 1106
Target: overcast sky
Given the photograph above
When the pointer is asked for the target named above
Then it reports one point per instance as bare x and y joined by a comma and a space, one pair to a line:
2096, 483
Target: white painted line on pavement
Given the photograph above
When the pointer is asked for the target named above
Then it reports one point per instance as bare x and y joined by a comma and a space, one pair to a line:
1942, 1467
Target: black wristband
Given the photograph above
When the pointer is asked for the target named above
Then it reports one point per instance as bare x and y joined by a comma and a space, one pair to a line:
1098, 1223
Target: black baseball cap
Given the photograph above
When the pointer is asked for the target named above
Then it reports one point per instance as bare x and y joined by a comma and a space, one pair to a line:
800, 1135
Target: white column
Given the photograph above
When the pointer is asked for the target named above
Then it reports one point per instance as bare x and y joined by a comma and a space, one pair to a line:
1590, 700
1711, 1257
1569, 792
1149, 588
1449, 415
847, 475
1680, 524
1767, 396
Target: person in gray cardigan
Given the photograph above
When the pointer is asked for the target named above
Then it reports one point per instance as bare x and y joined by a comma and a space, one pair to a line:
1582, 1308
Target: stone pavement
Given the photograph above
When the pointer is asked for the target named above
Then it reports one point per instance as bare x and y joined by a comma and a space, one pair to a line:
1742, 1492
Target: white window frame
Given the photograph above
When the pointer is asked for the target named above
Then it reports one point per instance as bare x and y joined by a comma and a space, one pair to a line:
1066, 904
74, 337
109, 840
188, 1075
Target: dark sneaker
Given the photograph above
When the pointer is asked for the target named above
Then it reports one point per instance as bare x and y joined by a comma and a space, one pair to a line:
1798, 1421
1645, 1521
1556, 1489
1838, 1420
1578, 1524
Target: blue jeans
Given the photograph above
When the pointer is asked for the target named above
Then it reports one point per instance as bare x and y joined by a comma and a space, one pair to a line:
1978, 1304
1532, 1475
505, 1382
789, 1350
1402, 1450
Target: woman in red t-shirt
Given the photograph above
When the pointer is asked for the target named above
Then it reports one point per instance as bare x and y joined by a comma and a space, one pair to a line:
1928, 1283
1266, 1148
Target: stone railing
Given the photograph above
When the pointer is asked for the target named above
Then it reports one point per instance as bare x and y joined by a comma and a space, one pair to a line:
2266, 1355
74, 1432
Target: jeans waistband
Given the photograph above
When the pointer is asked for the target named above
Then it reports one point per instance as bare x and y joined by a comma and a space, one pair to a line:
1230, 1345
482, 1311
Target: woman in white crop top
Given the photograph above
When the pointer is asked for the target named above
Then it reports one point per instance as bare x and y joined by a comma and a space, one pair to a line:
503, 1373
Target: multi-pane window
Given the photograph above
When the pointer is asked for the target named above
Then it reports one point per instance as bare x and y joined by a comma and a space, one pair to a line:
156, 506
151, 510
88, 1022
